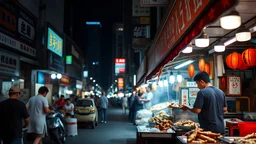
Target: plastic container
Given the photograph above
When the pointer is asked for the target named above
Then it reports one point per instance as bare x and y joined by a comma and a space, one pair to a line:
246, 128
71, 126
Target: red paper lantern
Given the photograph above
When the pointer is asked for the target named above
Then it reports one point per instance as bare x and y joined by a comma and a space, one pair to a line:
234, 60
201, 64
249, 57
191, 70
207, 68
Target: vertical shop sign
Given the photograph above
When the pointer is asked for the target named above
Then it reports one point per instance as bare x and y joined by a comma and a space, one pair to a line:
17, 28
120, 83
9, 64
40, 78
54, 42
184, 96
141, 31
137, 10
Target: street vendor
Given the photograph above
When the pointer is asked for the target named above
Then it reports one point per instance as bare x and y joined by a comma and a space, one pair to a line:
147, 99
210, 105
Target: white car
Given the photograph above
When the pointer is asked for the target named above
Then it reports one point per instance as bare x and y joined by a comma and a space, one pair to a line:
86, 111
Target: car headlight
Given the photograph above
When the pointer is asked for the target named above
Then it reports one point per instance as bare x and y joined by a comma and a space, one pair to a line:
92, 110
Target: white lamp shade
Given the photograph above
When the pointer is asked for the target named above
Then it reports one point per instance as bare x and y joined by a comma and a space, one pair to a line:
59, 76
243, 36
160, 83
179, 78
165, 83
53, 76
219, 48
230, 22
172, 79
202, 42
188, 49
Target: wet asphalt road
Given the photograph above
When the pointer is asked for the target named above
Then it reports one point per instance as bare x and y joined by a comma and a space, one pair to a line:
117, 131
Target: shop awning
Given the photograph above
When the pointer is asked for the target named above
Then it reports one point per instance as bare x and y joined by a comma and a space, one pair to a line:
184, 22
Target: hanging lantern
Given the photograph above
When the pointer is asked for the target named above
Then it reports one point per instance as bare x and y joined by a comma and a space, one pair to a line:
234, 60
249, 57
191, 70
207, 68
201, 64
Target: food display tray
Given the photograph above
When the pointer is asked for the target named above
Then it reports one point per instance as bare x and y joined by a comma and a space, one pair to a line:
228, 140
183, 140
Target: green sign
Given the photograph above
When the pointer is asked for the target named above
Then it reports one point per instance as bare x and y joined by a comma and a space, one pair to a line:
68, 59
54, 42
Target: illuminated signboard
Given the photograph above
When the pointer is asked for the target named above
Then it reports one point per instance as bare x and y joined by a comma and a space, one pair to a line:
119, 65
120, 83
54, 42
68, 59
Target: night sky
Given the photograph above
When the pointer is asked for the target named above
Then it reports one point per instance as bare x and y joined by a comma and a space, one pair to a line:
107, 12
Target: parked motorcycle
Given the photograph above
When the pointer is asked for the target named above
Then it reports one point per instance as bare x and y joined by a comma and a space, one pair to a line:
56, 128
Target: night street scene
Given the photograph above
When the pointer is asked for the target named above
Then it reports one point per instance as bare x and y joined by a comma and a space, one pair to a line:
127, 71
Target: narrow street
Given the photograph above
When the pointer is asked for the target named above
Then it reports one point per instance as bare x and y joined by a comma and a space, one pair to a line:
117, 131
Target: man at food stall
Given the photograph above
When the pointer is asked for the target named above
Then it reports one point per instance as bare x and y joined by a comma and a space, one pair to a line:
148, 97
210, 104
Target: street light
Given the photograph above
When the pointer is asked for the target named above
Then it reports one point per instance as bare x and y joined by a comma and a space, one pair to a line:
96, 84
90, 78
94, 80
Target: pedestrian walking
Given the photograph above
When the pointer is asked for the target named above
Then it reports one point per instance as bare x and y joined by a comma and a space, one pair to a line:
124, 104
13, 112
104, 106
38, 107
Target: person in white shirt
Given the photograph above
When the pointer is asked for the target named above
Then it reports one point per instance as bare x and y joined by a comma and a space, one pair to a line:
124, 104
69, 108
148, 97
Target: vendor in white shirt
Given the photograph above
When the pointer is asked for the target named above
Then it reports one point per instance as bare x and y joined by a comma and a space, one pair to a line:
148, 97
69, 108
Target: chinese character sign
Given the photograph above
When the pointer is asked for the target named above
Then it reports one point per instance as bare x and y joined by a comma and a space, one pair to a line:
9, 64
119, 65
54, 42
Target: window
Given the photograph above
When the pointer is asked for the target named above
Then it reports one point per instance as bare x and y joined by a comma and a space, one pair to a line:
84, 103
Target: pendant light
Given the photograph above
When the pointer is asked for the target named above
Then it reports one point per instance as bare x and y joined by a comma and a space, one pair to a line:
172, 78
230, 21
202, 41
219, 47
179, 77
188, 49
243, 34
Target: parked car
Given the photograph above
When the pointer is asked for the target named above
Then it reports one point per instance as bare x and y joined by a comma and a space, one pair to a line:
86, 111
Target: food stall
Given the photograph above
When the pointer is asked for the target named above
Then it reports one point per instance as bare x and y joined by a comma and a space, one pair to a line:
225, 51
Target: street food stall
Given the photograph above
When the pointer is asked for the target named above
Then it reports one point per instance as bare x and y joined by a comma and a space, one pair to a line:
220, 41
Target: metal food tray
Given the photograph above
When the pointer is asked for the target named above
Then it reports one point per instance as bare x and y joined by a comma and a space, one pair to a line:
228, 140
184, 127
183, 140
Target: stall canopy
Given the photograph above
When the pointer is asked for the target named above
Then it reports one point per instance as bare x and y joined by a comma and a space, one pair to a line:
184, 21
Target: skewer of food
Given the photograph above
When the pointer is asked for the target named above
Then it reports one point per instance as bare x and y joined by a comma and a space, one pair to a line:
200, 136
249, 139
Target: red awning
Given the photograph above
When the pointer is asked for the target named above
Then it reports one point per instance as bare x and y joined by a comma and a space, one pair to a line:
167, 47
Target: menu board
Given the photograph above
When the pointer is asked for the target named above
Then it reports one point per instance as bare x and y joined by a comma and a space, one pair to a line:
234, 85
188, 95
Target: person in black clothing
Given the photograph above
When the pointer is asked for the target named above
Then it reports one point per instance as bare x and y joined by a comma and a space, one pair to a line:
12, 113
130, 102
137, 105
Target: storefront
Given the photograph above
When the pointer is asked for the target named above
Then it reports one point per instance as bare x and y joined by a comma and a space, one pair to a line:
52, 64
223, 49
18, 47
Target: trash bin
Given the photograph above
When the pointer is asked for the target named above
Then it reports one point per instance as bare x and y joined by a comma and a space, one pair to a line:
71, 126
